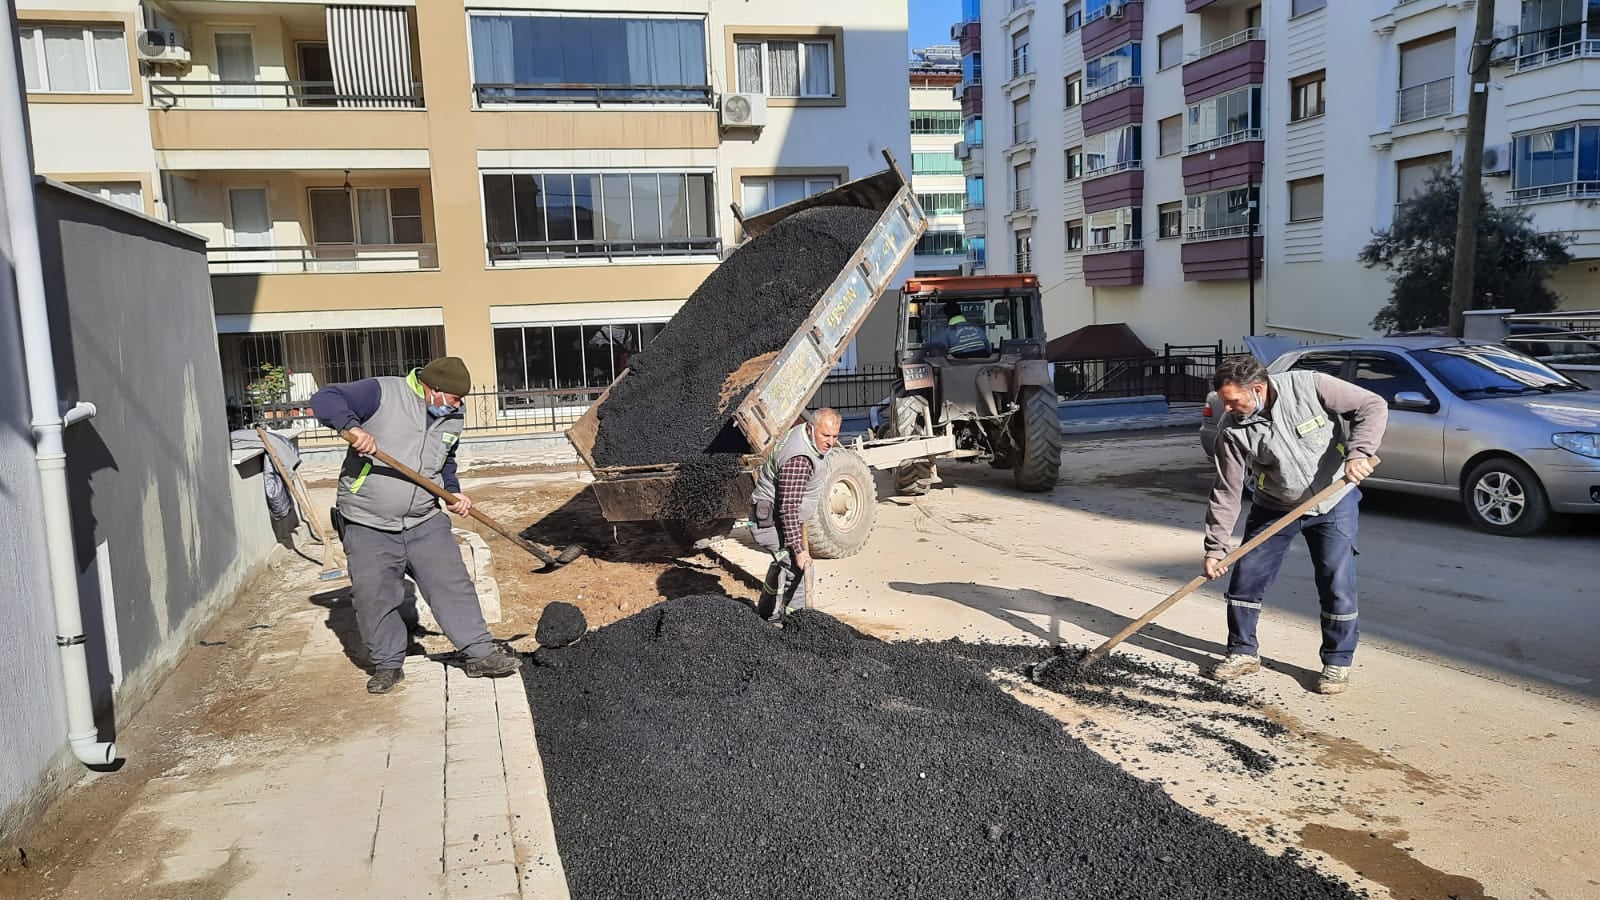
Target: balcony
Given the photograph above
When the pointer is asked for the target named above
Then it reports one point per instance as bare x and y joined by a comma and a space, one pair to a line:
1114, 264
509, 252
1227, 43
1220, 254
1576, 190
1102, 33
1569, 42
322, 259
1114, 187
1024, 261
1109, 89
1425, 101
1115, 246
1113, 110
1021, 133
1022, 199
1235, 61
489, 94
1230, 165
1021, 65
177, 93
1226, 140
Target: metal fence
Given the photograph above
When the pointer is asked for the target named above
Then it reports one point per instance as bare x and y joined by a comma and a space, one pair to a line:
1181, 373
856, 390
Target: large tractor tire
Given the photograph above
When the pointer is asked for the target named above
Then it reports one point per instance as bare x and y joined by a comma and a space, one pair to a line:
910, 416
1038, 425
844, 518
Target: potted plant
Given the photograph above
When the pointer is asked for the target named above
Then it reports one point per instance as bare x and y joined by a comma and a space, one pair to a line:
270, 388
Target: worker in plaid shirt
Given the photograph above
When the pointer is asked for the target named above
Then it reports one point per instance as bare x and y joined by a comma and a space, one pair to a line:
788, 491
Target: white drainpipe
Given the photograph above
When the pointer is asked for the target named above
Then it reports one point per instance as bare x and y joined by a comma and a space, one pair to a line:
16, 169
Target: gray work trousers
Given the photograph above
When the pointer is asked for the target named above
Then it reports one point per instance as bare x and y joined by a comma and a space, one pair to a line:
378, 563
785, 582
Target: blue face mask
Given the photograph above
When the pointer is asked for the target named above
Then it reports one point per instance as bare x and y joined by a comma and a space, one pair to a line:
441, 410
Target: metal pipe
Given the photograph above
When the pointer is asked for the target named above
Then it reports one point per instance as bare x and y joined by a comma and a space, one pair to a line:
16, 180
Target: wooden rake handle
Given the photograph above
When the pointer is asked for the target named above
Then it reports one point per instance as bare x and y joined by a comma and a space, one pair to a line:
1337, 488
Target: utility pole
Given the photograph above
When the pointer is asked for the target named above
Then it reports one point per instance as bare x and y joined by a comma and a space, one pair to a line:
1250, 247
1471, 199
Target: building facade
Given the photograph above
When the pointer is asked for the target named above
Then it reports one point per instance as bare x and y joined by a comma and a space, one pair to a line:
1206, 169
936, 173
535, 190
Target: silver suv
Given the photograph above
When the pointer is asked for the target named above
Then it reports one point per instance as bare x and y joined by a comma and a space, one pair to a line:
1510, 437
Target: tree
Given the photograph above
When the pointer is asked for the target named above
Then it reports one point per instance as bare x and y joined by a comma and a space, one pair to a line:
1514, 258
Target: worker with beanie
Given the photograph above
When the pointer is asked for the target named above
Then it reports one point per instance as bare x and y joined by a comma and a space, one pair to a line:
390, 526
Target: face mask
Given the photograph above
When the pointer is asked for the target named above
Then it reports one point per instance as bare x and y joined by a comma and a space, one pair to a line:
442, 411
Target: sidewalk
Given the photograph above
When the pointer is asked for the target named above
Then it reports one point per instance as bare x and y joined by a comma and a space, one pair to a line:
268, 771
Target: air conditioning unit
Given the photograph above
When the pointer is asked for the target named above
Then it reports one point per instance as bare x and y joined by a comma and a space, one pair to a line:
161, 46
1504, 53
744, 110
963, 151
1114, 9
1497, 159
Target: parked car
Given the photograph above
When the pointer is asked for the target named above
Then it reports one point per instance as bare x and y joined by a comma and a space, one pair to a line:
1511, 438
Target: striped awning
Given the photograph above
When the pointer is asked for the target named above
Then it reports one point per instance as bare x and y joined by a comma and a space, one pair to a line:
370, 48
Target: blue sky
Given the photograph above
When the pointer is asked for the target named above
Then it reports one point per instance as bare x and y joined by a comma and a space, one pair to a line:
931, 21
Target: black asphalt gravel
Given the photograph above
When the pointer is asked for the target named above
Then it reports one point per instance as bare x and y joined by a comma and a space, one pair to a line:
692, 750
670, 407
560, 624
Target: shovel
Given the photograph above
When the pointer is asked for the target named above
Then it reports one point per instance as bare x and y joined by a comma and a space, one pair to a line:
1337, 488
566, 556
297, 489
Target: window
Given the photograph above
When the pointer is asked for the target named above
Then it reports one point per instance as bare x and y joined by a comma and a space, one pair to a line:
972, 131
935, 164
1169, 49
1220, 213
1326, 363
1225, 119
1024, 248
1022, 183
538, 58
1554, 30
566, 215
1557, 162
1021, 61
1074, 163
976, 252
1412, 175
1112, 151
75, 59
975, 192
780, 68
950, 203
1074, 89
122, 193
971, 70
757, 195
1119, 68
1171, 219
1301, 7
1115, 229
936, 121
1075, 235
366, 216
1386, 375
565, 356
1305, 199
940, 243
1306, 96
1252, 17
1021, 119
1172, 135
1427, 82
1074, 14
1097, 9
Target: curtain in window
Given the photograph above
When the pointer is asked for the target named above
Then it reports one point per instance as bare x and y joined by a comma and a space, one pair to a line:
783, 58
30, 60
493, 60
369, 48
111, 59
749, 63
372, 209
819, 70
66, 59
755, 197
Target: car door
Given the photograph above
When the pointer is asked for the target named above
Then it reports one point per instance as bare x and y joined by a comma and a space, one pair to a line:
1412, 448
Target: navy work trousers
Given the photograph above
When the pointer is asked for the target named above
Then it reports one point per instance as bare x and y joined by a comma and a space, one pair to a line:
1331, 538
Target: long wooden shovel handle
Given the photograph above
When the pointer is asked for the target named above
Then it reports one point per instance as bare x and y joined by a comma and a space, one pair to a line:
1338, 487
450, 499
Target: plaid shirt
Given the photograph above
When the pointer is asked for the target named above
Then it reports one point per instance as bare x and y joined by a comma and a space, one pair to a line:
792, 479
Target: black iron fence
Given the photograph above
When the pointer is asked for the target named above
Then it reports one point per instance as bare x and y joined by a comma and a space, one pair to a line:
854, 391
1181, 373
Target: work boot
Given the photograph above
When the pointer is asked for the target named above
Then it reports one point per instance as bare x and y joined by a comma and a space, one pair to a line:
496, 665
1333, 680
384, 680
1236, 665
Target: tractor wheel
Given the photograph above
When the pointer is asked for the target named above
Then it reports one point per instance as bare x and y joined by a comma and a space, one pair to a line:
910, 412
1038, 424
843, 520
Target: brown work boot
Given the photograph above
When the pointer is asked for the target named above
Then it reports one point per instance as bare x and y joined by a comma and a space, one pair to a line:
1236, 665
496, 665
1333, 680
384, 680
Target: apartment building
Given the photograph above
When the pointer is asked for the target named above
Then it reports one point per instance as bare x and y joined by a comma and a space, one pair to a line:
533, 187
1206, 169
936, 173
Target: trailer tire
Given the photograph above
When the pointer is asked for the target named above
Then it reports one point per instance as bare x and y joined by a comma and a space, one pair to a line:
1038, 424
910, 416
843, 520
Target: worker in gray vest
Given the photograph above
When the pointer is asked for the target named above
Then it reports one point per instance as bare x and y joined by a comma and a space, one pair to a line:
788, 492
963, 338
1291, 434
391, 527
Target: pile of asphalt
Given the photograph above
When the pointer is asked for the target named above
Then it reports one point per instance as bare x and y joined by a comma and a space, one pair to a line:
671, 408
560, 624
694, 751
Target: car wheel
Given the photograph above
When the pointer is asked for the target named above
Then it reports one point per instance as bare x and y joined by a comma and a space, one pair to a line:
1504, 497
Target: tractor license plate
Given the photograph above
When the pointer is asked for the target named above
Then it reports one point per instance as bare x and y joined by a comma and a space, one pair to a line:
917, 376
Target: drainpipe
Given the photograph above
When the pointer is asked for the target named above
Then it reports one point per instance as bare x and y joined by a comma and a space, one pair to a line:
16, 170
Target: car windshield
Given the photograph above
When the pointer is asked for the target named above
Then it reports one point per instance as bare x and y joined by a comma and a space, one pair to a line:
1475, 371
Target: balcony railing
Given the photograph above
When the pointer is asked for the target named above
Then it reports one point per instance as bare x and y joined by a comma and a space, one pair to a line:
1586, 45
1216, 234
1094, 15
976, 259
1021, 132
1113, 168
1130, 82
1022, 198
1019, 4
168, 93
1425, 101
521, 251
1227, 43
1574, 190
1021, 64
503, 94
1025, 261
322, 259
1114, 246
1237, 137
